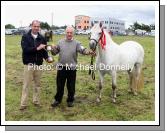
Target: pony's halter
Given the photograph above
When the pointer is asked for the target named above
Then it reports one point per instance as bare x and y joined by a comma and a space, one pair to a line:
100, 40
95, 41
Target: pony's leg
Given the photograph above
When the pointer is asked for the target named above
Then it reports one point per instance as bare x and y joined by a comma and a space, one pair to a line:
100, 86
130, 80
114, 86
136, 76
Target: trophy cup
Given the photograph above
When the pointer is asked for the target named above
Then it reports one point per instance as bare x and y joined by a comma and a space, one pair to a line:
50, 58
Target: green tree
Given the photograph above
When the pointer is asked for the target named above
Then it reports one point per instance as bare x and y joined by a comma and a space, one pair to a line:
152, 27
63, 27
137, 26
9, 26
45, 25
54, 27
145, 27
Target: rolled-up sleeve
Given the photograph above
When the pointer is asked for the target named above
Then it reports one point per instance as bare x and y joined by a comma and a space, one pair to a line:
81, 49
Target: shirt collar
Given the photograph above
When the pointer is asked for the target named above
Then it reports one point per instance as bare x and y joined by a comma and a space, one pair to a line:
69, 40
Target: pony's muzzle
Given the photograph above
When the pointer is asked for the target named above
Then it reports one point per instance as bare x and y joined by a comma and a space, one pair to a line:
92, 44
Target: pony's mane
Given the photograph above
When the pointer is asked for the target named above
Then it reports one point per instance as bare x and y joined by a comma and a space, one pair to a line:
95, 27
108, 37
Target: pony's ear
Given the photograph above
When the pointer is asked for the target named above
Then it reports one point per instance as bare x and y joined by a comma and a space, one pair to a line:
100, 24
92, 24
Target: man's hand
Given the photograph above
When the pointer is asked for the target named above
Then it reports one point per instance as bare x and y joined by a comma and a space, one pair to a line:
41, 46
90, 52
53, 46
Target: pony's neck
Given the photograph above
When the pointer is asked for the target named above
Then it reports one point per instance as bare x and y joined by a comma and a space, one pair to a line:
110, 45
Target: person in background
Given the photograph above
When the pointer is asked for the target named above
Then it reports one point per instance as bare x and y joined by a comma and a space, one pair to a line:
47, 36
51, 35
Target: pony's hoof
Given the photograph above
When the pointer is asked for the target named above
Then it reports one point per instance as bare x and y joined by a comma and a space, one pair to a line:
114, 100
135, 93
98, 100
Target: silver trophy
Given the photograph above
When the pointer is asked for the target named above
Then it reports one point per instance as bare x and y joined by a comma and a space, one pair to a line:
50, 58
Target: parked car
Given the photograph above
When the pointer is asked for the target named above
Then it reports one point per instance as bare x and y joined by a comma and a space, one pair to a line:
152, 33
87, 32
19, 32
59, 32
82, 32
56, 32
147, 33
78, 32
8, 31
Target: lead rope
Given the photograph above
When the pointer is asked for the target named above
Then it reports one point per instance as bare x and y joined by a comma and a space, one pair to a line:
47, 91
91, 72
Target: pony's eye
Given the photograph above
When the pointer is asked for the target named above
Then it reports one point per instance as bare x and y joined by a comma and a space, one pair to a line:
100, 33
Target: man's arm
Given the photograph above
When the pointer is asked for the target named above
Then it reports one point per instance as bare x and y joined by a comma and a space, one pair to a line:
26, 47
83, 50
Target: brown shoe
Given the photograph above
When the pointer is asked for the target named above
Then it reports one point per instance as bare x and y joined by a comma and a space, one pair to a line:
23, 108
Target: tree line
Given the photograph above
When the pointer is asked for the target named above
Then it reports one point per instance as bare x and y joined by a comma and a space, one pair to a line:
136, 26
45, 25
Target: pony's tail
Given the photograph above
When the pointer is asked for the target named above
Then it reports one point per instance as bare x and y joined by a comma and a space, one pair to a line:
138, 82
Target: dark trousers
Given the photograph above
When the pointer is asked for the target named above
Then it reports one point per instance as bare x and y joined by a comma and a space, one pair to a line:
62, 76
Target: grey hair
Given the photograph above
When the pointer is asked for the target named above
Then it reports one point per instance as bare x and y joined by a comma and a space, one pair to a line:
70, 27
35, 21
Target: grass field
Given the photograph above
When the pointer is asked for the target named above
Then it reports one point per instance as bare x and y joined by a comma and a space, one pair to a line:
126, 108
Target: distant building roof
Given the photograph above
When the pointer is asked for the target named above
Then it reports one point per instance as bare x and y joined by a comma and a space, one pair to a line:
82, 16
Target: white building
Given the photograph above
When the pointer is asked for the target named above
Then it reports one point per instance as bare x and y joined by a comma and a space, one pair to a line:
111, 24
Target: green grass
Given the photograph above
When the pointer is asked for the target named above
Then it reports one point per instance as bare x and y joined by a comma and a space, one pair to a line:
126, 108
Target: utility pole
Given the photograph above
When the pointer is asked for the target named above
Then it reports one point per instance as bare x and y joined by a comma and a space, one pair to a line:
21, 23
52, 20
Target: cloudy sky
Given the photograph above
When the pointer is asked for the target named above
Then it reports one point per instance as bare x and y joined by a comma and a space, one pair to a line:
22, 15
